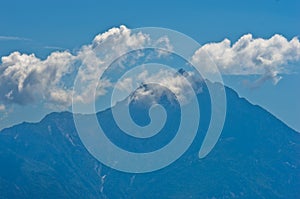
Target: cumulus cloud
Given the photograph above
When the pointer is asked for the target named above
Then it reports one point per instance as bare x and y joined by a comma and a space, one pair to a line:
249, 56
96, 57
25, 78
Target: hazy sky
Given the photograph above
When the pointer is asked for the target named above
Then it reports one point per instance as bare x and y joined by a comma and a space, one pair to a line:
42, 27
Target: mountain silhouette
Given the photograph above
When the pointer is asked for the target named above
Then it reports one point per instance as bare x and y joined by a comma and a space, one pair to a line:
257, 156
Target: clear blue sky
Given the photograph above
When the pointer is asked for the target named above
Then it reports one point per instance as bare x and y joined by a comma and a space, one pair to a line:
43, 26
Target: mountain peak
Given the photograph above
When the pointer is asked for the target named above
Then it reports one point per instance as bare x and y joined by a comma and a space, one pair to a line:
256, 156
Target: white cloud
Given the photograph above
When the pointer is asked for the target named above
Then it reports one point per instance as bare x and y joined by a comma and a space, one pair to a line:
250, 55
26, 79
180, 85
103, 51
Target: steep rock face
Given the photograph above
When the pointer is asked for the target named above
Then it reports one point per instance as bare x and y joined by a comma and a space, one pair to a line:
257, 156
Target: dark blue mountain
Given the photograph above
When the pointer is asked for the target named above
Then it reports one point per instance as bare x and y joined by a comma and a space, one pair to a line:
257, 156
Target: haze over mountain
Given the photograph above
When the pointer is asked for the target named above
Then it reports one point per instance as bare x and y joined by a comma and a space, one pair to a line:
257, 156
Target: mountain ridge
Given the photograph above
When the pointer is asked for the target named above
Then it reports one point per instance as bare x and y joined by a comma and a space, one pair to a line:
70, 112
257, 156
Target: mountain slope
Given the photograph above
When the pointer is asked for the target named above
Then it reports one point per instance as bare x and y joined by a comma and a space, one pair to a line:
257, 156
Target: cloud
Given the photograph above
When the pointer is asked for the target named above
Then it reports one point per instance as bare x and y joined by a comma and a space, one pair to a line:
249, 56
54, 48
2, 107
26, 79
96, 57
273, 76
179, 84
12, 38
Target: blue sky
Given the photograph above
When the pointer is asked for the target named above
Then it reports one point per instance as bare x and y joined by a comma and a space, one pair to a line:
43, 27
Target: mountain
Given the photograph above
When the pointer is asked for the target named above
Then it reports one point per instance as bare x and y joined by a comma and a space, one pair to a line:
257, 156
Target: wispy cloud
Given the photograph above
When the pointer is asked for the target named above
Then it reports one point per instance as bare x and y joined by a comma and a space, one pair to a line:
2, 107
13, 38
262, 79
54, 48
